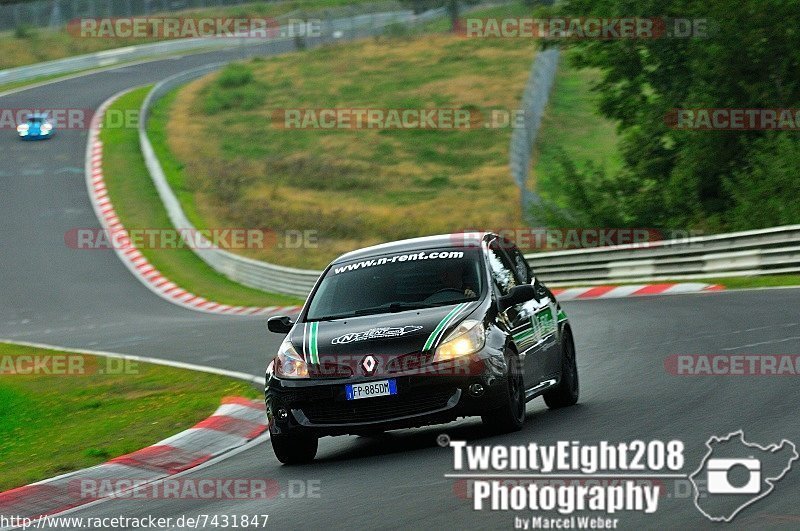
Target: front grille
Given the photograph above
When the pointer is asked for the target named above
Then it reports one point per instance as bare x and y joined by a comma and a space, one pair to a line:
409, 362
348, 365
375, 409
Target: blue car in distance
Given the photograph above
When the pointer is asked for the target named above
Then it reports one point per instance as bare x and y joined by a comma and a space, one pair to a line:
37, 126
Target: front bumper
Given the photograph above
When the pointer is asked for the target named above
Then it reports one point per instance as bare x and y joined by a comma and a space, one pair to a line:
35, 137
320, 405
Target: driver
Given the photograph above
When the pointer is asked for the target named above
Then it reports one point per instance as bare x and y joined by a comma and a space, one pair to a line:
453, 278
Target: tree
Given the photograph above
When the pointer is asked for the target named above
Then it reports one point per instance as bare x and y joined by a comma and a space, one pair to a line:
750, 58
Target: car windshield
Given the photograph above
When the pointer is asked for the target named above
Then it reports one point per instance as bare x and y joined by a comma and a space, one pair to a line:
34, 119
397, 282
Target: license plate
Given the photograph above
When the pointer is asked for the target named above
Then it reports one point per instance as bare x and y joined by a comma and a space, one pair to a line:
370, 389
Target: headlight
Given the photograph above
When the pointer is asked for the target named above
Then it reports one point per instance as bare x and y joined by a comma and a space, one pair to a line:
468, 338
289, 364
46, 128
22, 128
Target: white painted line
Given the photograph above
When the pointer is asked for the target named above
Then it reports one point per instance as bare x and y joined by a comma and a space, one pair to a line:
259, 380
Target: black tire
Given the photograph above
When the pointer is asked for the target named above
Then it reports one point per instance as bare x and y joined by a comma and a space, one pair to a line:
568, 389
294, 448
510, 416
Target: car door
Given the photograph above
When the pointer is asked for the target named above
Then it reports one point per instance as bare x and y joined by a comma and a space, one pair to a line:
526, 321
545, 318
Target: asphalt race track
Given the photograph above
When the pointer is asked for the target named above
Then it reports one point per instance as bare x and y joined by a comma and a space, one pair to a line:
53, 294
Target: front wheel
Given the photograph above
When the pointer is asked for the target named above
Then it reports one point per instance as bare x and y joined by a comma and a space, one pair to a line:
510, 416
294, 448
566, 393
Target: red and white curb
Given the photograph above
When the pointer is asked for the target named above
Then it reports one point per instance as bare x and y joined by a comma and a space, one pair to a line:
236, 422
127, 251
633, 290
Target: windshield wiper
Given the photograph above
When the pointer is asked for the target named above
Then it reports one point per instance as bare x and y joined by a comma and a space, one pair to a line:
394, 307
386, 308
402, 306
334, 317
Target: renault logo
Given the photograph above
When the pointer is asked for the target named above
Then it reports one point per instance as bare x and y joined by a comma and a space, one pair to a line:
369, 364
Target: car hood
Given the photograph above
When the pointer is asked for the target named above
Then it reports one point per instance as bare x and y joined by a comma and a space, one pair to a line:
386, 336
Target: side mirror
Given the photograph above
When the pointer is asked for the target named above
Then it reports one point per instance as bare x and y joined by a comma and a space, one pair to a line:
517, 295
280, 324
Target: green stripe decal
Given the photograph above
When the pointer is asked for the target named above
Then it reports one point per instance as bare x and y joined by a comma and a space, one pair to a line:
312, 343
561, 315
523, 335
442, 325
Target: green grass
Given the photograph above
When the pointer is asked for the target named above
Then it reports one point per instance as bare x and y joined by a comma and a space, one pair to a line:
755, 281
56, 423
573, 126
234, 165
138, 205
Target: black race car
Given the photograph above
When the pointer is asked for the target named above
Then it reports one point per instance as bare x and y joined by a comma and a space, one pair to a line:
418, 332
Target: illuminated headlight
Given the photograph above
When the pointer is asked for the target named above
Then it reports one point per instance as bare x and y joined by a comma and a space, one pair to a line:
22, 129
46, 128
468, 338
289, 364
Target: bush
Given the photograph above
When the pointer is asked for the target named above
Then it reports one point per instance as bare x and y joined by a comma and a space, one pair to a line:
235, 75
595, 198
766, 194
235, 88
244, 98
24, 31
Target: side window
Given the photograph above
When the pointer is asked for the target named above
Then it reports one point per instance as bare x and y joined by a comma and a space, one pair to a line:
502, 270
520, 265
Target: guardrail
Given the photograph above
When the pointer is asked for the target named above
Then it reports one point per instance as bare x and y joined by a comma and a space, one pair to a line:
756, 252
253, 273
114, 56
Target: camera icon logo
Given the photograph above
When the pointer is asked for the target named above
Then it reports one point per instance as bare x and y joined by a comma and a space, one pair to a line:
735, 474
719, 471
